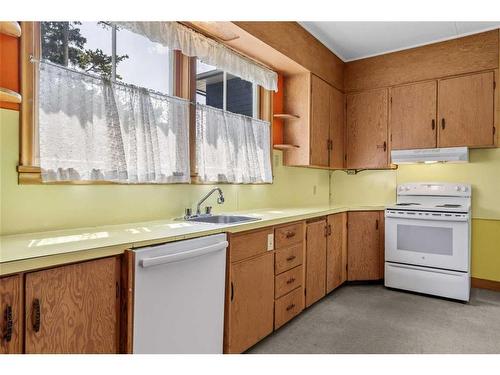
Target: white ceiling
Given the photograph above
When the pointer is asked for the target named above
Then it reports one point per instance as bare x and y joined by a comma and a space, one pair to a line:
357, 40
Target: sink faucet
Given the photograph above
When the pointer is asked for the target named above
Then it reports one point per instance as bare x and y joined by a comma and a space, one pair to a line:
220, 199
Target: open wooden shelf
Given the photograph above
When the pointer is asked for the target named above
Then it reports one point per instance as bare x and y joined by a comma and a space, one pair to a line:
286, 116
10, 28
10, 96
285, 147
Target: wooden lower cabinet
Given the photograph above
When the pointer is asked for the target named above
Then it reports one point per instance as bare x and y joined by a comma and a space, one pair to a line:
315, 261
10, 315
288, 306
250, 304
336, 251
74, 308
365, 245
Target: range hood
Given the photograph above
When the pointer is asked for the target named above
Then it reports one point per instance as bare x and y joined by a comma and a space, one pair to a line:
431, 155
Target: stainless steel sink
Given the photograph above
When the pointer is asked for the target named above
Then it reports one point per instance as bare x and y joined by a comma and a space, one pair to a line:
222, 219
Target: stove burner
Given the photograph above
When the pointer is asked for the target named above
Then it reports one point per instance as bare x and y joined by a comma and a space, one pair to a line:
407, 204
449, 205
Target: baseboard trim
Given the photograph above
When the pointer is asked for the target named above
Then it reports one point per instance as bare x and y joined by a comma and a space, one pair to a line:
485, 284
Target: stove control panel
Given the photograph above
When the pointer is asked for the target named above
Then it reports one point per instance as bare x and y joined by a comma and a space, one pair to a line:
444, 189
423, 215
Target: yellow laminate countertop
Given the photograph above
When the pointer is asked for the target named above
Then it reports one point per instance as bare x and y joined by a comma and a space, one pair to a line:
24, 252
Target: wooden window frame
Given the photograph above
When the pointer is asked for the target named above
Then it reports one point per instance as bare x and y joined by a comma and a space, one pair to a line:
184, 86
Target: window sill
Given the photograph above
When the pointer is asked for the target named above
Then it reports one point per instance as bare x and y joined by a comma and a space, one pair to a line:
33, 176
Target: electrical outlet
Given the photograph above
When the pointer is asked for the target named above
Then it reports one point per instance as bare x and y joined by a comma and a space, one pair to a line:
270, 242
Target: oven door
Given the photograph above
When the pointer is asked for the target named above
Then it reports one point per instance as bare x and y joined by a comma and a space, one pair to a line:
426, 242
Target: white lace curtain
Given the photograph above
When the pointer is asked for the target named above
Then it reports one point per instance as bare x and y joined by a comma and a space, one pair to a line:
179, 37
232, 148
91, 129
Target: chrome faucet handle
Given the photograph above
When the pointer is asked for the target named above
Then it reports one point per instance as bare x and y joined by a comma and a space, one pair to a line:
208, 210
188, 213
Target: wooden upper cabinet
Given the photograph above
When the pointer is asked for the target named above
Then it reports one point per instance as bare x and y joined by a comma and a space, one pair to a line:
336, 251
413, 116
337, 129
319, 130
315, 262
367, 114
73, 309
250, 303
10, 315
365, 252
321, 93
466, 111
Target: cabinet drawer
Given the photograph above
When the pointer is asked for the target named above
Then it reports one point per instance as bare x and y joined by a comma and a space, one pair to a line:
288, 306
288, 258
288, 281
290, 234
247, 244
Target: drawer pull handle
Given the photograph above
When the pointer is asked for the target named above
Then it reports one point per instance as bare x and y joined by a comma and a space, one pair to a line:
290, 234
443, 124
289, 307
36, 315
232, 291
290, 258
290, 280
8, 318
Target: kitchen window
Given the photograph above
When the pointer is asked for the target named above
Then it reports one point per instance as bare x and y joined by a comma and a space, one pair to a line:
232, 143
225, 91
103, 108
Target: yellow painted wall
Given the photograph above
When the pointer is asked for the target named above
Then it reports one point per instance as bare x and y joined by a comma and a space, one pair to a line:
29, 208
483, 172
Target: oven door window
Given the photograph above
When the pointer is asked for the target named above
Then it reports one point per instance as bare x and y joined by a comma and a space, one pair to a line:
423, 239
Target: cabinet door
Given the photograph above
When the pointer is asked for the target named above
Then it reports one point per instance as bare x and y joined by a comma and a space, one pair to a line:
364, 248
413, 116
315, 262
465, 109
250, 302
10, 315
320, 121
367, 130
73, 309
337, 129
336, 252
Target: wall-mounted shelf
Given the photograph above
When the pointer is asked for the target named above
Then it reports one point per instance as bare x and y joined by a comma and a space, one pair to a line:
10, 28
286, 116
284, 147
10, 96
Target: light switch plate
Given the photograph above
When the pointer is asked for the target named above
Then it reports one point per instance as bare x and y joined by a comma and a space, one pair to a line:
270, 242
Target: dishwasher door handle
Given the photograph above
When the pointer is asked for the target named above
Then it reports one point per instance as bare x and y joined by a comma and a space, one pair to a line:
172, 258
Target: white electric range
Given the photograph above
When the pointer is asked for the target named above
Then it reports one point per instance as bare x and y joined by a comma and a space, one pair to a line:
427, 239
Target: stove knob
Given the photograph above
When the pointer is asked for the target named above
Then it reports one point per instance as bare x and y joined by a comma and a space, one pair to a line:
458, 188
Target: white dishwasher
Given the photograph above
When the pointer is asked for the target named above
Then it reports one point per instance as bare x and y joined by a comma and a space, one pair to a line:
179, 296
